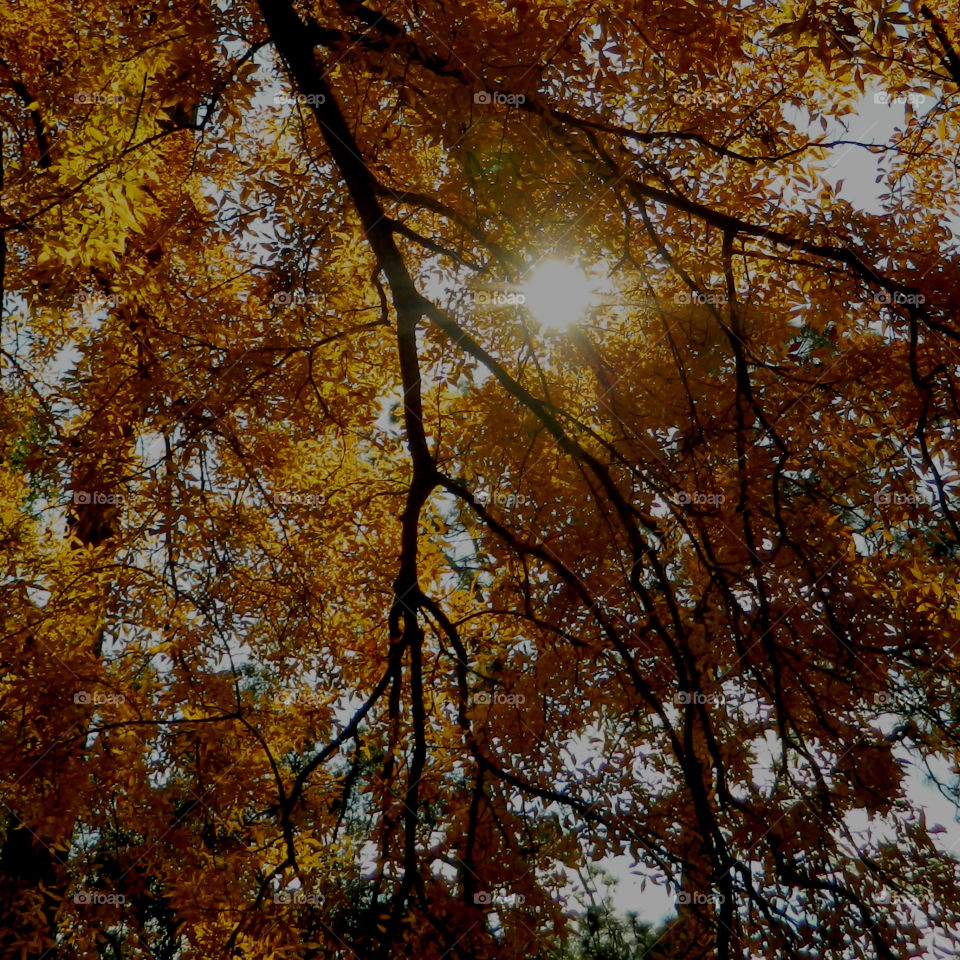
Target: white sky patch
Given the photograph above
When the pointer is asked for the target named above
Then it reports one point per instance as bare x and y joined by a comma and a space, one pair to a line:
875, 120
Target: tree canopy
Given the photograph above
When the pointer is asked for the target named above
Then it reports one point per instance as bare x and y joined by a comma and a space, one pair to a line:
361, 588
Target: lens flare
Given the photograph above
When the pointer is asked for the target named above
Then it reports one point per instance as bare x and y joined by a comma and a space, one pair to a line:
558, 294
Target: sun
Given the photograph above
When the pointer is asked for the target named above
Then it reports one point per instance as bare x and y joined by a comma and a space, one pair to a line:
558, 294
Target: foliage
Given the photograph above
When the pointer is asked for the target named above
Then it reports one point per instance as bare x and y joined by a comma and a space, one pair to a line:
602, 936
346, 610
